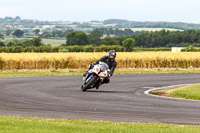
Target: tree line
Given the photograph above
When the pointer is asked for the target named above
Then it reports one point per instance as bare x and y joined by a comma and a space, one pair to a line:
137, 24
163, 38
50, 49
61, 34
75, 48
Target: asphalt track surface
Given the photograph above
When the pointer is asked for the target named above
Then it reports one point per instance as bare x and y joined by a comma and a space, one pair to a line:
123, 100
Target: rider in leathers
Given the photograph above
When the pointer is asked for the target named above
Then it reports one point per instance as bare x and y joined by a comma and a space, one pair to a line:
110, 61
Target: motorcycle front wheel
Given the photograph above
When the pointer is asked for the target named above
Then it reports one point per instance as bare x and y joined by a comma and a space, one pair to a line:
86, 86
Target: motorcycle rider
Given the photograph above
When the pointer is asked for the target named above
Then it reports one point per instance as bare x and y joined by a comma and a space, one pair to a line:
110, 61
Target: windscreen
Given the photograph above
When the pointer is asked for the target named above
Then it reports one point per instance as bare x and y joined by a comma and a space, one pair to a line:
103, 66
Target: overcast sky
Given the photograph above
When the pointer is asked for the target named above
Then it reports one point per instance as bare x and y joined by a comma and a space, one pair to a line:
87, 10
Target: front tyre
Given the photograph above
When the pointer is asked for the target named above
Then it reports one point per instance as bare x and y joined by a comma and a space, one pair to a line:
88, 84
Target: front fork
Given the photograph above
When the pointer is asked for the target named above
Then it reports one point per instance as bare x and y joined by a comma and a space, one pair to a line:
85, 79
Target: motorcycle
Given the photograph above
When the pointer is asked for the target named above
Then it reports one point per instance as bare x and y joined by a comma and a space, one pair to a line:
95, 76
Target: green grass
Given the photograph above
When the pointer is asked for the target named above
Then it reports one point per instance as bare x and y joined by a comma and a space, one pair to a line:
76, 72
186, 92
37, 125
13, 74
54, 42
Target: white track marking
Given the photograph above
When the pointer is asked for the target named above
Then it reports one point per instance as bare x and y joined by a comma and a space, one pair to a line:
168, 87
148, 87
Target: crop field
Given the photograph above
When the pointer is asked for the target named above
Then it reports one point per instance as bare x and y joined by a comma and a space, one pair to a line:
154, 29
148, 60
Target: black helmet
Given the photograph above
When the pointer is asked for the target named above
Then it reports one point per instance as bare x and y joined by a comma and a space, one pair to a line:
112, 52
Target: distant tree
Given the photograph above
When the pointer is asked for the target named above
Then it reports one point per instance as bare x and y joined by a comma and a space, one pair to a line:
2, 44
36, 31
46, 35
18, 33
77, 38
57, 33
8, 32
66, 32
109, 41
10, 43
120, 39
109, 31
128, 32
17, 18
37, 42
118, 32
129, 44
1, 36
95, 37
25, 43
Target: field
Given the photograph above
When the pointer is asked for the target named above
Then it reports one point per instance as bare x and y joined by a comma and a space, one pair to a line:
153, 29
141, 60
52, 42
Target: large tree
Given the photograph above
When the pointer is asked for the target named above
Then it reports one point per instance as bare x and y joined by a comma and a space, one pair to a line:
77, 38
46, 34
95, 37
18, 33
37, 41
129, 44
36, 31
110, 41
58, 33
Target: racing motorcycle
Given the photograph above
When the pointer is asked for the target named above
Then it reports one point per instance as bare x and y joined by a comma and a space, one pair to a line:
95, 76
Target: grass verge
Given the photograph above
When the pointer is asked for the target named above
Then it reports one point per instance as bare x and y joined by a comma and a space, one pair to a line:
187, 92
12, 73
38, 125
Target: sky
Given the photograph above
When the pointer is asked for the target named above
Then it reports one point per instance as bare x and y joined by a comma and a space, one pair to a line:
87, 10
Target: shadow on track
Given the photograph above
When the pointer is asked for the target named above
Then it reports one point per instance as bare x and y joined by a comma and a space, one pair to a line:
98, 91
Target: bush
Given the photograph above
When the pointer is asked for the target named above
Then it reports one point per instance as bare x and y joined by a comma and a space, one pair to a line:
43, 49
103, 48
151, 49
4, 49
55, 49
17, 49
190, 48
88, 48
75, 48
117, 48
30, 49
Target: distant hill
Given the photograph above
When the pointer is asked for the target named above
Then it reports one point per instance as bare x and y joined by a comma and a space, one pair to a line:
137, 24
28, 25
